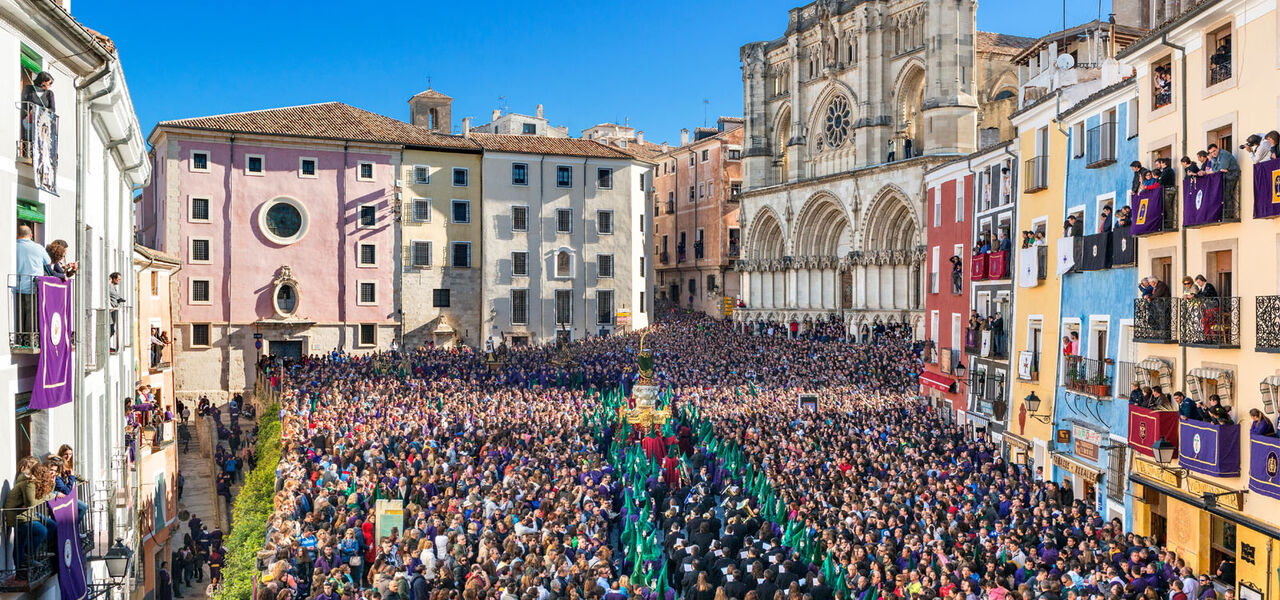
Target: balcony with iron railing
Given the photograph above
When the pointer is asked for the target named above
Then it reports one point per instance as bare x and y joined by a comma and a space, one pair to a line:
24, 311
34, 559
1153, 320
1100, 145
1220, 66
1088, 376
734, 251
1267, 322
664, 257
1209, 322
1035, 174
671, 207
1230, 190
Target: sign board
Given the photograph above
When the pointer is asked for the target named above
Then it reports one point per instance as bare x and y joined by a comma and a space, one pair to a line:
944, 360
728, 304
388, 515
257, 336
809, 402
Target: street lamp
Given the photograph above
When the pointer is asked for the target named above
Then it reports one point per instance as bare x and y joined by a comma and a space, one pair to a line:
1033, 405
116, 561
1164, 451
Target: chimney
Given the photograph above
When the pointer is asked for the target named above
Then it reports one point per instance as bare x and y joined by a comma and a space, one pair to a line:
665, 147
640, 137
497, 112
466, 127
684, 137
539, 112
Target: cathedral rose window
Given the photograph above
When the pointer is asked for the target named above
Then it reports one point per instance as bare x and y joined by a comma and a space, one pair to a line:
837, 128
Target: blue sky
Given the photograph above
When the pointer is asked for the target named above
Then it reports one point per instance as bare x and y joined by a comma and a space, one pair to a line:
588, 62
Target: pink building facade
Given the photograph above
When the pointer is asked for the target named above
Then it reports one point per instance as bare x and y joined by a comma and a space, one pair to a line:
287, 241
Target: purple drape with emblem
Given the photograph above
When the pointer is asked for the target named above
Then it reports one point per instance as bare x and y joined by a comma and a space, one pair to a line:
1266, 189
1264, 466
71, 581
1209, 449
1202, 199
1148, 211
53, 370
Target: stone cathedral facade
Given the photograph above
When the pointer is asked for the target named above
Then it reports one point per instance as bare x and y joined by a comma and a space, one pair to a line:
844, 114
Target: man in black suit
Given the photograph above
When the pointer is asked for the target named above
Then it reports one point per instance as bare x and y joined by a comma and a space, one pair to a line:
769, 586
819, 590
734, 586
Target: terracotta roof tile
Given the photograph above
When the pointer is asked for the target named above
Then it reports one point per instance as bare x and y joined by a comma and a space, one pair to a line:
330, 120
1002, 43
537, 144
430, 93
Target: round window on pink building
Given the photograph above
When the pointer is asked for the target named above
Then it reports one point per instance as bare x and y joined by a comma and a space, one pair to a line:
283, 220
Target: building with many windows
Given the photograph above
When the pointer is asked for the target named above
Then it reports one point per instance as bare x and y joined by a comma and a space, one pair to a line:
1209, 487
439, 236
697, 191
286, 224
72, 160
844, 113
946, 301
564, 239
990, 281
1090, 401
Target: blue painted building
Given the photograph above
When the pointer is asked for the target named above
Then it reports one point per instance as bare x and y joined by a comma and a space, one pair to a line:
1092, 409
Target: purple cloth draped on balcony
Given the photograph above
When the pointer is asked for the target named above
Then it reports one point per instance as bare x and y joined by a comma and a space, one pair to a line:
1264, 466
979, 267
71, 582
1266, 189
971, 338
53, 370
1202, 199
1209, 449
1149, 212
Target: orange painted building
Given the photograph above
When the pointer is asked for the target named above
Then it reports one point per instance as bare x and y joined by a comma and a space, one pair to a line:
696, 206
155, 485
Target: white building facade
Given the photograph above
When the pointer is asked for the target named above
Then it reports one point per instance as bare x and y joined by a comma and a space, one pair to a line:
71, 176
564, 239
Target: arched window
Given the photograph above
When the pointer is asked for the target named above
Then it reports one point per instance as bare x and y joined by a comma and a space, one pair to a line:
1004, 95
564, 264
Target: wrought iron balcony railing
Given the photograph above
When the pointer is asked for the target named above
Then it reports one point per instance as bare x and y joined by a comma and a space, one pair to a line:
1088, 376
1209, 322
1100, 145
1267, 322
1153, 320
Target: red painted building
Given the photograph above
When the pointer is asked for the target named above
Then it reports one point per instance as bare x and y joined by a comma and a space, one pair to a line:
947, 235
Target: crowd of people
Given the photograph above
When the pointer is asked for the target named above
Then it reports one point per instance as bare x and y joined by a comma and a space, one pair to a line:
508, 477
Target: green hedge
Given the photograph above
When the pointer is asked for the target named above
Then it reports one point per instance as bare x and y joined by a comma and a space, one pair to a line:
251, 512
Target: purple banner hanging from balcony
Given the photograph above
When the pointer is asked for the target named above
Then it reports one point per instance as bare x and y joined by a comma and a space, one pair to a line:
71, 582
1209, 449
1202, 199
1149, 213
1266, 189
53, 370
1264, 466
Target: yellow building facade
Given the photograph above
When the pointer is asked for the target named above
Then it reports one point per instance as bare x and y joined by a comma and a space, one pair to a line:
1207, 77
1037, 346
441, 258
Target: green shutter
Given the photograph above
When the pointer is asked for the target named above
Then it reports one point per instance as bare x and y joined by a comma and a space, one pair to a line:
30, 211
31, 60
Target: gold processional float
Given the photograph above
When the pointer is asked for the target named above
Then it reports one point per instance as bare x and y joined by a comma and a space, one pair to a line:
644, 413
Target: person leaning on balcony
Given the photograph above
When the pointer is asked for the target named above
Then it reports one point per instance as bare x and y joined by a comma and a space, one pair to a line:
32, 487
38, 93
1004, 244
1124, 217
1261, 425
1219, 414
1104, 225
1259, 148
1226, 163
58, 266
1136, 185
957, 272
1190, 168
1273, 137
1207, 290
1187, 408
1136, 395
